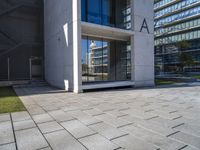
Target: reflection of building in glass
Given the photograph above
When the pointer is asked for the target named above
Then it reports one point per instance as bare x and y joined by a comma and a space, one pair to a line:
106, 60
98, 62
176, 21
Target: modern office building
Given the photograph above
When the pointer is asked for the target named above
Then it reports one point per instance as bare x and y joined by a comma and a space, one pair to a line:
177, 33
87, 44
99, 43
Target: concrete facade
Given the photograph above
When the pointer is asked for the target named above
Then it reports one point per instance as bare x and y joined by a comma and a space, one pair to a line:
63, 32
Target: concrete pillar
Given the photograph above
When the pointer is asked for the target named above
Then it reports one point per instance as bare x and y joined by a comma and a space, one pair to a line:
143, 43
77, 71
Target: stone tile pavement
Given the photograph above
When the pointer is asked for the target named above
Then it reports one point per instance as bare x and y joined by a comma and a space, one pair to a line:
144, 119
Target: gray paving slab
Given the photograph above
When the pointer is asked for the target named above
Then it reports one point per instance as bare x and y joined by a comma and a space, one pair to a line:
49, 127
35, 109
77, 129
150, 137
62, 140
84, 118
10, 146
30, 139
190, 148
187, 138
6, 133
132, 143
189, 129
20, 116
93, 112
98, 142
4, 117
116, 122
61, 116
150, 117
107, 130
47, 148
42, 118
25, 124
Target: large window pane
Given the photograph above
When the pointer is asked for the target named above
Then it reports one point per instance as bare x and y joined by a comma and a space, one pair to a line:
94, 11
105, 60
83, 10
84, 59
114, 13
108, 12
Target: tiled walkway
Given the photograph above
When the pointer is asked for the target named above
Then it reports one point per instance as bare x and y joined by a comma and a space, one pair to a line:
148, 119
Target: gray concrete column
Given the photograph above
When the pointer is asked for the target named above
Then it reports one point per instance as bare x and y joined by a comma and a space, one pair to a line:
77, 71
143, 42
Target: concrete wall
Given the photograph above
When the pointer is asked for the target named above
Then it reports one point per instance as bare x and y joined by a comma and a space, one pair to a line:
58, 46
143, 43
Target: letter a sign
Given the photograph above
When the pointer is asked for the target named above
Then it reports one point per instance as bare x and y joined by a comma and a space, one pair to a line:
144, 26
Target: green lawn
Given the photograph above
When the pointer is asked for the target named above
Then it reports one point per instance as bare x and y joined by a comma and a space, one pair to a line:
164, 82
9, 101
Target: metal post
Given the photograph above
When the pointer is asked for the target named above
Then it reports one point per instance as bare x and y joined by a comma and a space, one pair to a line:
30, 67
8, 68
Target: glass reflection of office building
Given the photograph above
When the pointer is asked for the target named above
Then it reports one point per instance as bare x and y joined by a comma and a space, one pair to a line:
176, 21
105, 59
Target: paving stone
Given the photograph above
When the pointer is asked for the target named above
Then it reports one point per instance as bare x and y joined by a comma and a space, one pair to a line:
190, 148
107, 131
77, 129
25, 124
10, 146
4, 117
42, 118
61, 116
153, 113
187, 138
93, 112
130, 142
105, 107
62, 140
140, 114
47, 148
116, 113
116, 122
30, 139
150, 137
189, 129
20, 116
49, 127
84, 118
35, 109
98, 142
6, 133
50, 107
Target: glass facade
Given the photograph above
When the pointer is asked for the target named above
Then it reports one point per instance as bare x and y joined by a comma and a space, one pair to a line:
172, 8
177, 23
113, 13
105, 60
176, 17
